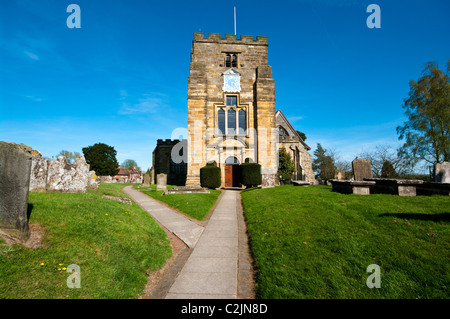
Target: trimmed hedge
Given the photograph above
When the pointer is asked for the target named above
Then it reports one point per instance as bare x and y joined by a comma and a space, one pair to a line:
210, 176
251, 174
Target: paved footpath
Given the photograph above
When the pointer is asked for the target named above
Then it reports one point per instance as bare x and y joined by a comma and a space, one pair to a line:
212, 268
188, 231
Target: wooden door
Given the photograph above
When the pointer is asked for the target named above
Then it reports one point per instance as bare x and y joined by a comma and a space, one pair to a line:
229, 175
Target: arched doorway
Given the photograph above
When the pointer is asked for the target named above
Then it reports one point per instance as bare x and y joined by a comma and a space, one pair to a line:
232, 172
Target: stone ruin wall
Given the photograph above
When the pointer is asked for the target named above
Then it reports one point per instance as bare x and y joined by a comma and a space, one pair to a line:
60, 176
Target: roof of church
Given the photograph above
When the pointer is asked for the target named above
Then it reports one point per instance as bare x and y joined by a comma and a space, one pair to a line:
279, 113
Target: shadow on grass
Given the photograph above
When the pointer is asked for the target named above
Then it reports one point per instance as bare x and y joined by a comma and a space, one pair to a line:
250, 189
442, 217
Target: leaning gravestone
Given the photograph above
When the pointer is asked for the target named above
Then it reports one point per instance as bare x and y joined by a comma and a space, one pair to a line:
442, 172
15, 168
146, 182
361, 169
161, 182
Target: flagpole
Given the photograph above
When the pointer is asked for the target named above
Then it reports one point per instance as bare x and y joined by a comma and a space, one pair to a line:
234, 20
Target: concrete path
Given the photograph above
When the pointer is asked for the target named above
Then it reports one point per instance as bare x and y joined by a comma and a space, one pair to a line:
211, 270
188, 231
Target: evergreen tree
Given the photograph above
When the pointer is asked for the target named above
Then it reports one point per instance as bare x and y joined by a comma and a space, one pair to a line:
323, 164
285, 165
388, 171
102, 159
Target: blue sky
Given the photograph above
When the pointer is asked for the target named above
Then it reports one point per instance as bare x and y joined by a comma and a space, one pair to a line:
121, 79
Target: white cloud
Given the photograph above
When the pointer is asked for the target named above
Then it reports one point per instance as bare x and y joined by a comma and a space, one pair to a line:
293, 119
31, 55
147, 104
34, 98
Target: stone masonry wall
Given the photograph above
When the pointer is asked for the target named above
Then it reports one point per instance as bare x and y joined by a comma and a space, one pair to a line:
60, 176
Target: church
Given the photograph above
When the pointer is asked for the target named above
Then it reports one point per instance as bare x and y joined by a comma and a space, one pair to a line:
232, 117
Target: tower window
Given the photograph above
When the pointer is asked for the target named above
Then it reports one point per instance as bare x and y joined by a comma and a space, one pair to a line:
242, 121
228, 61
221, 121
231, 100
231, 121
234, 61
231, 60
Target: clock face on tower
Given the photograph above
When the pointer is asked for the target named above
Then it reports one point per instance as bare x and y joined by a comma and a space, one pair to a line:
231, 81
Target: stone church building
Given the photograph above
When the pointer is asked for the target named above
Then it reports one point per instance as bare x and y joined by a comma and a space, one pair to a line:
231, 112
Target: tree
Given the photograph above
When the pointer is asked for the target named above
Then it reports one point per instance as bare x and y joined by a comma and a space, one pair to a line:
302, 135
388, 171
102, 159
402, 164
70, 156
323, 163
285, 165
130, 164
427, 131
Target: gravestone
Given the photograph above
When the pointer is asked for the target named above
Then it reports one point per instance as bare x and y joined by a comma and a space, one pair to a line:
161, 182
361, 169
146, 182
93, 180
442, 172
15, 168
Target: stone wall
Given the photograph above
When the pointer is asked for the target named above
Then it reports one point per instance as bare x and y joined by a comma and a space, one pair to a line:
39, 171
60, 176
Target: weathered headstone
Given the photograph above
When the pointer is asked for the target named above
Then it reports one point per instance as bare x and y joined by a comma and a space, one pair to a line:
15, 168
146, 182
361, 169
161, 182
93, 180
442, 172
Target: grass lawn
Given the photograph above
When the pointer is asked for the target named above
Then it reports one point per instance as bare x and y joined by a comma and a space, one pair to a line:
196, 206
113, 243
309, 242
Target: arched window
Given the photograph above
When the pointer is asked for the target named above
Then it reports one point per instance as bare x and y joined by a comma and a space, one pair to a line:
234, 61
242, 121
228, 61
221, 121
231, 160
282, 133
231, 121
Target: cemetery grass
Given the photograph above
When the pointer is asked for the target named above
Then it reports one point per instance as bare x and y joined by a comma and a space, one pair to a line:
196, 206
309, 242
114, 244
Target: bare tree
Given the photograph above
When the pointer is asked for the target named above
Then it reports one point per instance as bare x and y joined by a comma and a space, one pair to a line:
383, 153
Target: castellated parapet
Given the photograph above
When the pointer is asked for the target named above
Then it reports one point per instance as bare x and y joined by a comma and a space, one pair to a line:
229, 38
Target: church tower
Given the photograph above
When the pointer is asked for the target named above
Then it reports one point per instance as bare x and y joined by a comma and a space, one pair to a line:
231, 107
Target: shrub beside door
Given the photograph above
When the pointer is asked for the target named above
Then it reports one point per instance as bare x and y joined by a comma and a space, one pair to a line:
251, 174
210, 176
